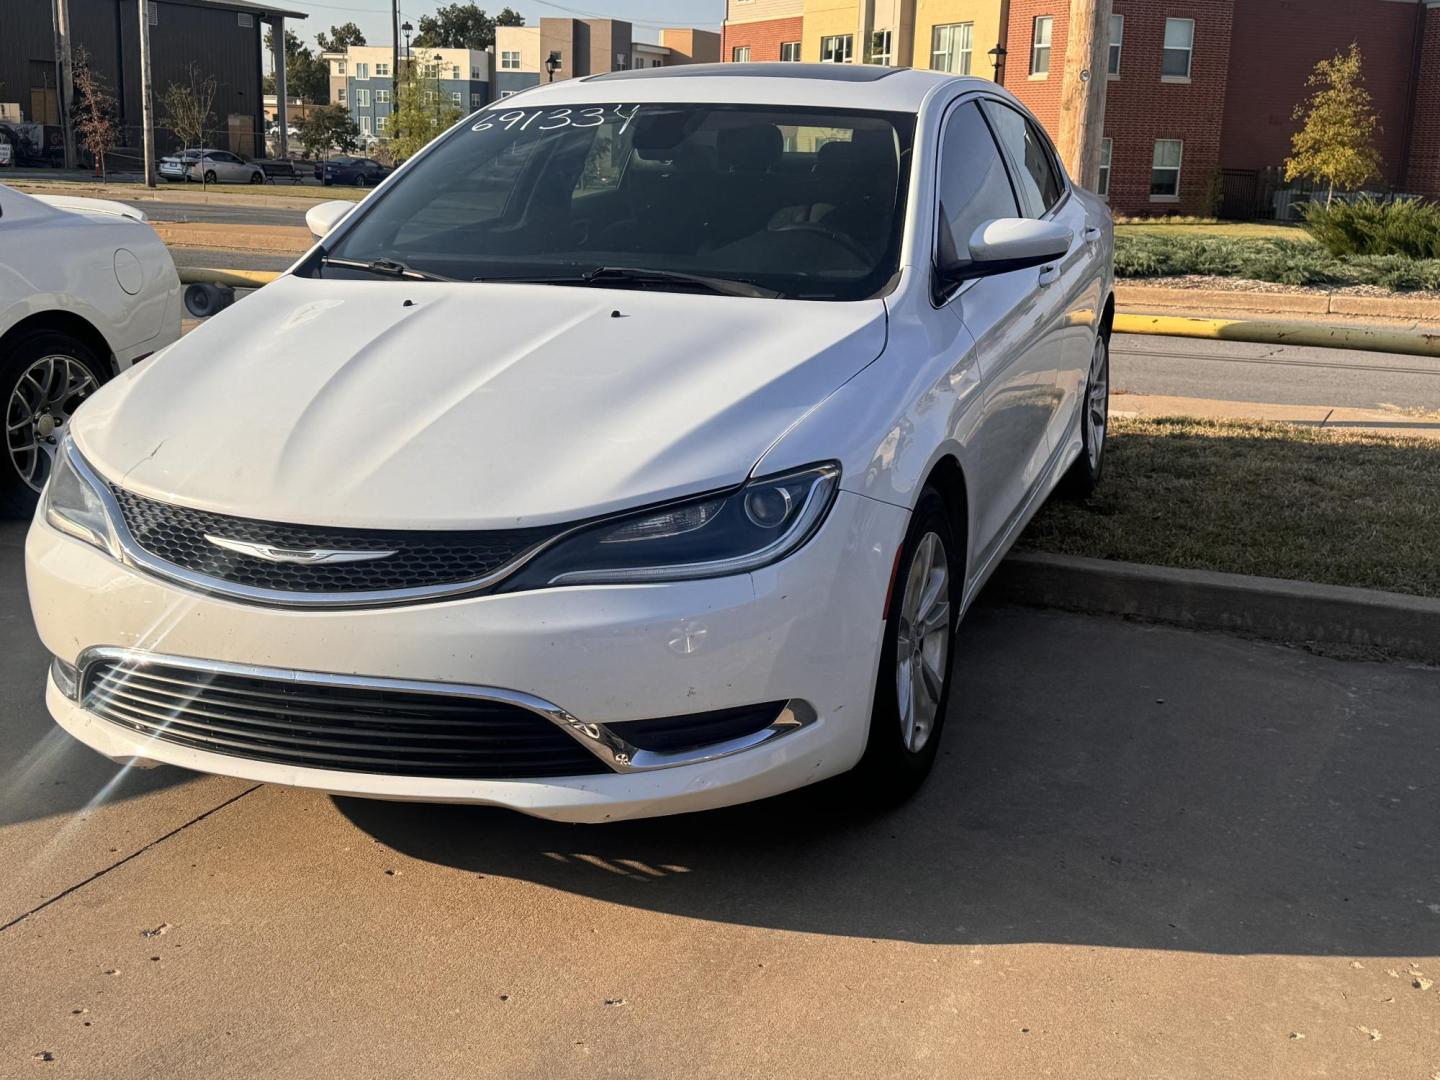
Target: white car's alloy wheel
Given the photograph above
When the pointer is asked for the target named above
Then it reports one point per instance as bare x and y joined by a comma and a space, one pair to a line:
1097, 403
922, 647
47, 394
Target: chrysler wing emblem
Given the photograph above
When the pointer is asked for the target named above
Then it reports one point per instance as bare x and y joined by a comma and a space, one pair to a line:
302, 557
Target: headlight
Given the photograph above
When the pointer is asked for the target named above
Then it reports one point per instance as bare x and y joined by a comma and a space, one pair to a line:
759, 524
72, 501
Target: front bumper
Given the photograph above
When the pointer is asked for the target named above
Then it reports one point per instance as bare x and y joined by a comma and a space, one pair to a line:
807, 629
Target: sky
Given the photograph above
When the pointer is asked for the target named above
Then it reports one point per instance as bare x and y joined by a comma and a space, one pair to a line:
373, 16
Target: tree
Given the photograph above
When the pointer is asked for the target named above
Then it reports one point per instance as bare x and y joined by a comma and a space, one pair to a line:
420, 113
1336, 142
307, 77
97, 119
463, 26
186, 108
330, 128
340, 38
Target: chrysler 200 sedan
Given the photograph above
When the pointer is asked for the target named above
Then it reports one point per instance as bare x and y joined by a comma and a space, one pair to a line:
635, 449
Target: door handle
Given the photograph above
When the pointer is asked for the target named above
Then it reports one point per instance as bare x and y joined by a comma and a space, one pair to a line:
1049, 273
1091, 234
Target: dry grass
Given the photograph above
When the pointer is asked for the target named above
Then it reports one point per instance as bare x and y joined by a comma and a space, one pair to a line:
1242, 230
1258, 498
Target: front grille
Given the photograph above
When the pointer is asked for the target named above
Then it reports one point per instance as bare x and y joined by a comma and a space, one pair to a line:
176, 534
327, 725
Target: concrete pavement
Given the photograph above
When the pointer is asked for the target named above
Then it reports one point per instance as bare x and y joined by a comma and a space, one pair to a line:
1144, 852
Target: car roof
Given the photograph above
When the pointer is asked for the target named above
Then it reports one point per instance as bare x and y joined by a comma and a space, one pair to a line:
852, 86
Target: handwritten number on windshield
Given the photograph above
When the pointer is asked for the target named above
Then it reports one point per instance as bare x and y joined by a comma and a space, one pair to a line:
555, 119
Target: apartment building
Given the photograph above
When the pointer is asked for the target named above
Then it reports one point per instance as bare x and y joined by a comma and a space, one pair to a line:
589, 46
1200, 94
361, 80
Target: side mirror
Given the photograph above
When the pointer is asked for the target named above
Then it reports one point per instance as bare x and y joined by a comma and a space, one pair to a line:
323, 217
1006, 244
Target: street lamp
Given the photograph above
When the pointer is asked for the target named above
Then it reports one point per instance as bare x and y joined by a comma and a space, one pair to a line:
407, 28
552, 65
997, 59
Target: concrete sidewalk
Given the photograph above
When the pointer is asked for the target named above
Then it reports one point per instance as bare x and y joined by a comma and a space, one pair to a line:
1376, 421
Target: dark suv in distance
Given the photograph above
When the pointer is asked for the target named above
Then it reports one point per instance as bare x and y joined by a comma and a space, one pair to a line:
366, 172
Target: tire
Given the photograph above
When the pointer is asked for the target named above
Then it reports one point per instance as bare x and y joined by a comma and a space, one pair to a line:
210, 177
898, 754
1084, 475
257, 178
75, 372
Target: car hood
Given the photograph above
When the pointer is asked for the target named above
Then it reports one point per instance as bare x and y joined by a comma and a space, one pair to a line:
437, 405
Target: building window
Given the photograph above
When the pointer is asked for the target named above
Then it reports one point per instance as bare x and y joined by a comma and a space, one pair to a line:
880, 47
362, 71
510, 60
365, 125
1040, 45
475, 74
1179, 45
1117, 39
340, 94
382, 71
1165, 172
362, 99
506, 93
382, 125
740, 54
455, 98
790, 51
382, 97
837, 49
475, 101
455, 71
1102, 185
340, 67
950, 48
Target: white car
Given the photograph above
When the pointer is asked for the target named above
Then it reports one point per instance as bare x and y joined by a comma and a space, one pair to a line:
211, 166
86, 290
635, 449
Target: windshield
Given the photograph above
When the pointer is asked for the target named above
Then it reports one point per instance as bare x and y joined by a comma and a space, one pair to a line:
806, 203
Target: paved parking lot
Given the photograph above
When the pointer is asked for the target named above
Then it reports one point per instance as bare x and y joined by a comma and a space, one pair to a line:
1144, 853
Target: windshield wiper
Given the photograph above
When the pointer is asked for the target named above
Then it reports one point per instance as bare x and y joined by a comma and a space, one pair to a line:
637, 275
385, 268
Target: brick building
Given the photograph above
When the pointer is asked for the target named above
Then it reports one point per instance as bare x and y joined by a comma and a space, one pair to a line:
1200, 94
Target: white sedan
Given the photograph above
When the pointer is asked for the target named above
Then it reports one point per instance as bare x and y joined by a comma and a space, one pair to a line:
86, 290
636, 449
212, 166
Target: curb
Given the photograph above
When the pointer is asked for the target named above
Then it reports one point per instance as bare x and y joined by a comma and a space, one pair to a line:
1295, 612
1130, 294
1267, 332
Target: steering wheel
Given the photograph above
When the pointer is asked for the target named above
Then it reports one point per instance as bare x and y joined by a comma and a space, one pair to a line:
842, 239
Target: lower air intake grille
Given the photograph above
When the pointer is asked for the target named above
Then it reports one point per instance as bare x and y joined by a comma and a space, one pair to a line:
329, 725
407, 560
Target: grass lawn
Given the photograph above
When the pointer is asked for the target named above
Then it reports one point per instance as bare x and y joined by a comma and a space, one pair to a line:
280, 189
1254, 498
1242, 230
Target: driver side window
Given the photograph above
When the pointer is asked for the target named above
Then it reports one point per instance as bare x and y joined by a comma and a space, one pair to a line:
973, 185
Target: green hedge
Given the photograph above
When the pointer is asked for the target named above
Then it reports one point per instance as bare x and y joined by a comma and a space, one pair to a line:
1369, 227
1291, 262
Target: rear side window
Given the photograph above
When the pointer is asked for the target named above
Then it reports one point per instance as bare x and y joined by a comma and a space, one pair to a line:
974, 187
1036, 174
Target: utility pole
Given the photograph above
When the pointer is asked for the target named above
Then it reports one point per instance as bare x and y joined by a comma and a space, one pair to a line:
395, 67
1082, 90
147, 93
65, 78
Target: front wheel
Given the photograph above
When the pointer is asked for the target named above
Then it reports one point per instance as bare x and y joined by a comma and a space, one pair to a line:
210, 177
912, 688
1084, 476
257, 178
44, 376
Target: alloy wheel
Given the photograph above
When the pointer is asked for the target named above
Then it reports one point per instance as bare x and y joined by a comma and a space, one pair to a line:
1097, 403
922, 646
47, 395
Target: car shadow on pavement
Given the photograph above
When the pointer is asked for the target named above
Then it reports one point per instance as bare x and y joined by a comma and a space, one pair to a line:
1101, 782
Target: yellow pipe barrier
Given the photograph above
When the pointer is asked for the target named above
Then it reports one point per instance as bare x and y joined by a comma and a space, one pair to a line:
237, 279
1282, 333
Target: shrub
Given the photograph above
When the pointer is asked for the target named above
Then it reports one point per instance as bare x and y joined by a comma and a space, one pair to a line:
1370, 227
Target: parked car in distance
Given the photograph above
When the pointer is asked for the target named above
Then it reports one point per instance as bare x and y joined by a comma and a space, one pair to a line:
364, 172
211, 166
653, 475
86, 290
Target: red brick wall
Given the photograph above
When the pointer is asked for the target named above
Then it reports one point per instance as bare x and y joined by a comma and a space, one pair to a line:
1424, 172
764, 37
1139, 108
1276, 45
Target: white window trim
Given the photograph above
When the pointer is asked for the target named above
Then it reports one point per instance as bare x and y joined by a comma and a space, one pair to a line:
1119, 46
1190, 53
1035, 45
1178, 169
796, 57
1107, 166
968, 54
841, 38
740, 54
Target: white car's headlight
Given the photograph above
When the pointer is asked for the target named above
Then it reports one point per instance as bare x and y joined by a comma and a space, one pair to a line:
72, 502
758, 524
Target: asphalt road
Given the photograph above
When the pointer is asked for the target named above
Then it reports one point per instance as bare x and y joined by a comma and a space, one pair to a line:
1276, 374
182, 211
1144, 853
